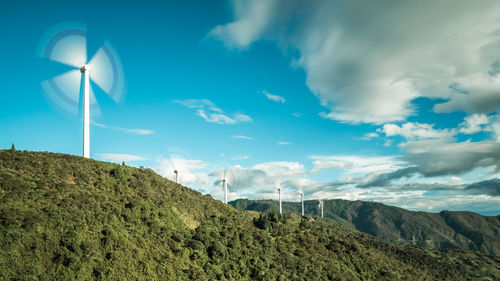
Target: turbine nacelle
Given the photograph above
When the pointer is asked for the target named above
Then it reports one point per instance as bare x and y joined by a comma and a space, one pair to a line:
85, 68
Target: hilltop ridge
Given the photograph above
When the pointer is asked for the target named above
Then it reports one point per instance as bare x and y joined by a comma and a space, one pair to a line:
66, 217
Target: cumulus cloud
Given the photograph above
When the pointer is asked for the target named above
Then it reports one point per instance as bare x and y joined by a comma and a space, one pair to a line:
207, 110
120, 157
434, 158
474, 123
272, 97
364, 68
369, 136
283, 143
415, 130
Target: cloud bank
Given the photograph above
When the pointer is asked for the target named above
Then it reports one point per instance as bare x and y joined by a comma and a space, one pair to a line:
364, 68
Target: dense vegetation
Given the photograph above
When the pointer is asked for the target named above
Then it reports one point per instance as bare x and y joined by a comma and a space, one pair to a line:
69, 218
449, 230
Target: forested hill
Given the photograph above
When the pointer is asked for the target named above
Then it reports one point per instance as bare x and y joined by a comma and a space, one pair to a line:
456, 230
69, 218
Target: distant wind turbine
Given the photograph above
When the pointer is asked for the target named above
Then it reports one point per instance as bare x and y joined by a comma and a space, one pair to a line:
302, 201
321, 204
224, 185
225, 180
279, 197
176, 176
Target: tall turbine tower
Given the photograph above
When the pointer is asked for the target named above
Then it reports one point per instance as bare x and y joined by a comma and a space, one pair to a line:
224, 184
176, 176
66, 43
302, 201
279, 198
321, 204
85, 69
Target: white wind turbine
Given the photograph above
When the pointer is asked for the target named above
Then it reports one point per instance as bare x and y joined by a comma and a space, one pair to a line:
321, 205
67, 44
224, 185
225, 180
302, 201
178, 162
279, 198
176, 176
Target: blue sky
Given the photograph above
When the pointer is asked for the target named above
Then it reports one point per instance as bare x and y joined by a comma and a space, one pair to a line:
395, 103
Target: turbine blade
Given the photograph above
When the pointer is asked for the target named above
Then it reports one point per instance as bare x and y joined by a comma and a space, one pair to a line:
68, 47
64, 91
106, 72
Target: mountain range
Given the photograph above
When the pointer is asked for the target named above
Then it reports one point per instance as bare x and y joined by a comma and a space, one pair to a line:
446, 229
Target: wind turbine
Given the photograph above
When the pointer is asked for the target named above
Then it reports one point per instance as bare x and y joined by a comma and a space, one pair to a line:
321, 204
67, 44
302, 201
279, 197
224, 181
176, 176
178, 161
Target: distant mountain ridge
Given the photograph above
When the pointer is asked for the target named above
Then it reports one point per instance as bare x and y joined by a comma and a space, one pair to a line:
447, 229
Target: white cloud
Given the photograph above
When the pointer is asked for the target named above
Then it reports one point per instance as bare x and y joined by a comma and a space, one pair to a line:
415, 130
242, 117
297, 114
260, 181
120, 157
440, 157
355, 166
199, 103
130, 131
365, 68
283, 143
274, 98
207, 110
322, 165
242, 137
474, 123
241, 157
369, 136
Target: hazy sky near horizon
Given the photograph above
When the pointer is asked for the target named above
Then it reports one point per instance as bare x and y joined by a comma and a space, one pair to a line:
389, 101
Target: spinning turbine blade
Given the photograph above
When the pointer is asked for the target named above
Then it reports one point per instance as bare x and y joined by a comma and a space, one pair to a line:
70, 50
107, 72
64, 90
65, 45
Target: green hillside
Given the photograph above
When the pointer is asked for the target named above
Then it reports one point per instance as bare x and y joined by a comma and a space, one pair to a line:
69, 218
454, 230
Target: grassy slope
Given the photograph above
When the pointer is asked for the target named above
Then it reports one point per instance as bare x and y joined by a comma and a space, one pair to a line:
68, 218
456, 230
